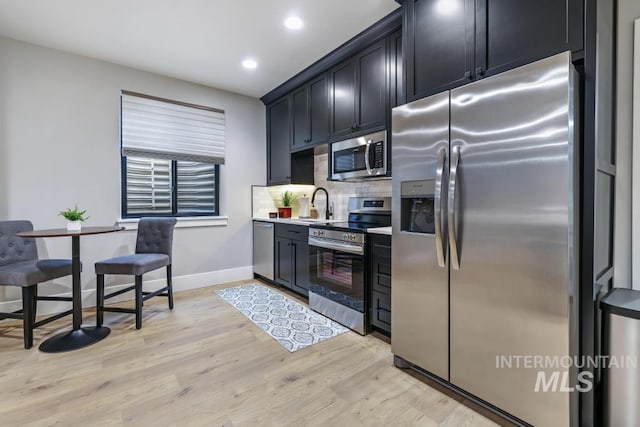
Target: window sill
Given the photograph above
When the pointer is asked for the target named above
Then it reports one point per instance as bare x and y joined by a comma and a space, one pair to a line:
183, 222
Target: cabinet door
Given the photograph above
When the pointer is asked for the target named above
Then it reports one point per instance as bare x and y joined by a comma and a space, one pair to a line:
300, 281
300, 117
512, 33
278, 144
319, 111
439, 44
342, 99
284, 258
372, 87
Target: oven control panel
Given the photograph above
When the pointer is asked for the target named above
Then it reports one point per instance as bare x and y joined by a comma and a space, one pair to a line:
339, 235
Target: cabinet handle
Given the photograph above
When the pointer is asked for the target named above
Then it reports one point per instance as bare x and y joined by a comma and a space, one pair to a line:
287, 177
467, 75
480, 71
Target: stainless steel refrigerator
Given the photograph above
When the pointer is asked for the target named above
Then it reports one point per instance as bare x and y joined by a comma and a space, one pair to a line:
484, 247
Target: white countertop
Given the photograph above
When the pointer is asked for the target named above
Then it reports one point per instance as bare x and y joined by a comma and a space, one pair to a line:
380, 230
297, 221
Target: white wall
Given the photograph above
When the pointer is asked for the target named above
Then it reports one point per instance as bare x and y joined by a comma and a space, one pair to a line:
59, 145
628, 11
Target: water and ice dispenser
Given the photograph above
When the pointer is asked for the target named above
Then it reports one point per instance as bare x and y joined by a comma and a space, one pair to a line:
416, 206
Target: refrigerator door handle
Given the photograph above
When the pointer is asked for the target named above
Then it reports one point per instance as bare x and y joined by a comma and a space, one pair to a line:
451, 207
440, 252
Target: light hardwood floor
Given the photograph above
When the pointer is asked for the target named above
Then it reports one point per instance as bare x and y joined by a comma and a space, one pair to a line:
204, 363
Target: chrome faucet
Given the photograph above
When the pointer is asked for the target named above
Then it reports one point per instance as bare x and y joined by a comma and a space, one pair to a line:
327, 212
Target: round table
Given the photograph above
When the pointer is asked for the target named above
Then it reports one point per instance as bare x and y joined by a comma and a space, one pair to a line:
78, 337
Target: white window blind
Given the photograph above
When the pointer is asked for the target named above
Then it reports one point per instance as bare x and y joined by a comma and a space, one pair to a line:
148, 186
170, 130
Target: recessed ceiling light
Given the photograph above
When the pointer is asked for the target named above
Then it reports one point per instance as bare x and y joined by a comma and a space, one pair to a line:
250, 64
293, 23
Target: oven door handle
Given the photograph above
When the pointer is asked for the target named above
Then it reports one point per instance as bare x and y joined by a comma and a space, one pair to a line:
336, 246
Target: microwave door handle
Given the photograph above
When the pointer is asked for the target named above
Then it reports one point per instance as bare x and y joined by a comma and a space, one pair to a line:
451, 208
440, 251
366, 157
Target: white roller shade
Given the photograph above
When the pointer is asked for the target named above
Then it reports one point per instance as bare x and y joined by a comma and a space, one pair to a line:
175, 131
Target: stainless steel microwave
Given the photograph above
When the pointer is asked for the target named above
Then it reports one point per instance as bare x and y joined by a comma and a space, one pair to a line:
361, 157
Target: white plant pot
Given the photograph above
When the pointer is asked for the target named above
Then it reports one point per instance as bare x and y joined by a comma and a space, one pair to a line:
74, 225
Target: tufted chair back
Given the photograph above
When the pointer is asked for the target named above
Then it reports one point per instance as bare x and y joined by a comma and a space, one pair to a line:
13, 248
155, 236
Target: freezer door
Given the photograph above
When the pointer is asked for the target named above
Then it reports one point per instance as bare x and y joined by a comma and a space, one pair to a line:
514, 227
420, 289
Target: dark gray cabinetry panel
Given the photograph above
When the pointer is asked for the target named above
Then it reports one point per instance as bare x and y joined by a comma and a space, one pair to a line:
439, 45
310, 114
380, 282
342, 99
278, 142
284, 258
358, 93
292, 257
372, 88
451, 43
512, 33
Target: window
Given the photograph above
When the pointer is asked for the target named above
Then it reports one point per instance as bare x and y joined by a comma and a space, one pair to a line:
171, 154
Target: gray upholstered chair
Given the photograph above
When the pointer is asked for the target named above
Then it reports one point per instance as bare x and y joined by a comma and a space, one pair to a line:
20, 266
153, 251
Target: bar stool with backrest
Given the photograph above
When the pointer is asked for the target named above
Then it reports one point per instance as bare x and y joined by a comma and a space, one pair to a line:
20, 266
153, 251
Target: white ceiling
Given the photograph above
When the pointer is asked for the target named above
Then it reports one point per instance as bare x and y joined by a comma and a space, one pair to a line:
202, 41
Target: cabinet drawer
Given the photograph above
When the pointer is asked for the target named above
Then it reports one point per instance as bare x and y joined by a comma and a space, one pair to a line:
382, 283
381, 311
294, 232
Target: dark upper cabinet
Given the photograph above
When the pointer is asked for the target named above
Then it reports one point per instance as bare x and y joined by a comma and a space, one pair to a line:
450, 43
372, 87
396, 80
319, 110
512, 33
439, 45
300, 118
284, 167
358, 92
342, 99
310, 114
278, 142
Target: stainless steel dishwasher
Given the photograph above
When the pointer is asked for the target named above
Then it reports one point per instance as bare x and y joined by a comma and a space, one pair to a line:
263, 248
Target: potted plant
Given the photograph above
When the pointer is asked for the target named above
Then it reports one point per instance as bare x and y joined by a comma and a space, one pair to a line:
74, 218
287, 201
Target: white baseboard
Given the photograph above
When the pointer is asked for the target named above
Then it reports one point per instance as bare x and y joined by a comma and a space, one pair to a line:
180, 283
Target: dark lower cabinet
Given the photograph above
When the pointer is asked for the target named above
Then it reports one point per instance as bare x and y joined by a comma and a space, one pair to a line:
380, 282
292, 257
450, 43
284, 262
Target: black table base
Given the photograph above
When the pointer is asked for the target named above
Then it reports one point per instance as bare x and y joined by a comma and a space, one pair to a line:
75, 339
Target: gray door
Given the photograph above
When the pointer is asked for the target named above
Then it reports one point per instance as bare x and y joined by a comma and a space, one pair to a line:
420, 289
512, 233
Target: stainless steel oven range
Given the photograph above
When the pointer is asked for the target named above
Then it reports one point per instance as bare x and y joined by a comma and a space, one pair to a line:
338, 260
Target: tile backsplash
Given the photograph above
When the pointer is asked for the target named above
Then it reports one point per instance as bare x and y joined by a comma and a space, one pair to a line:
267, 199
340, 191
